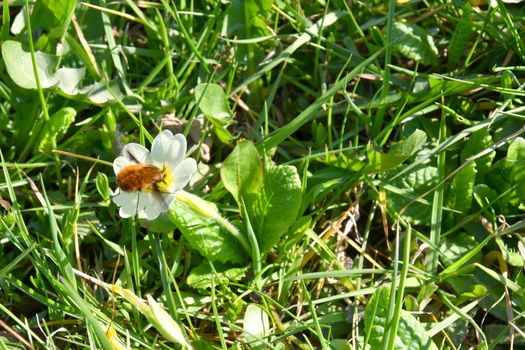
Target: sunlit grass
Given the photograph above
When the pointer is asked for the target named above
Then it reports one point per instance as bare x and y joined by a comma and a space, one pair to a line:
360, 177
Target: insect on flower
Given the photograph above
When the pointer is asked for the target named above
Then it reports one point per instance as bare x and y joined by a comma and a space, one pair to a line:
137, 177
148, 182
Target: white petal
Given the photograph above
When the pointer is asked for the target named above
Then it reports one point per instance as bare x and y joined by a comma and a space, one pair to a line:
182, 174
136, 153
125, 214
151, 206
123, 197
145, 199
168, 199
119, 163
168, 149
177, 149
161, 146
127, 201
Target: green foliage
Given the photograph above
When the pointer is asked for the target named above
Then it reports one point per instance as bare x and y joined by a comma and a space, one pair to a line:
411, 332
242, 171
53, 16
478, 142
415, 43
54, 128
510, 255
508, 175
515, 164
249, 17
276, 206
214, 105
458, 246
373, 161
201, 276
460, 37
20, 67
272, 197
461, 190
207, 237
248, 20
461, 252
102, 184
318, 145
409, 195
399, 152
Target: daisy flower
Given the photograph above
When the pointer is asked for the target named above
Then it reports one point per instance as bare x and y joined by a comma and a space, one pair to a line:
148, 182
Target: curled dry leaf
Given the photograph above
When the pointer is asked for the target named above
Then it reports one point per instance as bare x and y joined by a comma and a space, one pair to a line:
5, 204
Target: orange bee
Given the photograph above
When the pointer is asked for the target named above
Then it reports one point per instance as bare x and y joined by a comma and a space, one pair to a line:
137, 177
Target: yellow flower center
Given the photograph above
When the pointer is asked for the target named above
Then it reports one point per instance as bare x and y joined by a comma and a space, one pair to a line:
164, 184
160, 185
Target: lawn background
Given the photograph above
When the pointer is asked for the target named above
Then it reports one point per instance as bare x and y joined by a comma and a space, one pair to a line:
371, 153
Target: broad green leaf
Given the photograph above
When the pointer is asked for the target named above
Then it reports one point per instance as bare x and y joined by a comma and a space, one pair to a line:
477, 142
275, 207
162, 224
242, 171
214, 105
483, 195
213, 102
415, 43
99, 94
102, 184
437, 86
69, 80
510, 255
20, 68
399, 152
374, 161
465, 280
404, 192
256, 326
200, 276
319, 134
478, 291
248, 17
460, 192
248, 20
55, 127
508, 175
515, 161
205, 236
455, 247
53, 15
469, 284
353, 161
340, 344
411, 334
460, 37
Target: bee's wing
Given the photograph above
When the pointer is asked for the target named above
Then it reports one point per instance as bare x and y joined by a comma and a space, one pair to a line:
136, 153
